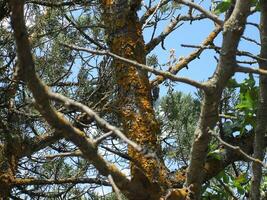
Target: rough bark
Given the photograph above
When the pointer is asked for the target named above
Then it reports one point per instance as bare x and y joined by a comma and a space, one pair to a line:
134, 96
232, 31
261, 129
8, 165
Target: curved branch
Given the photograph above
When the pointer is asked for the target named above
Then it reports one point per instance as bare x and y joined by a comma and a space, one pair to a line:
41, 95
202, 10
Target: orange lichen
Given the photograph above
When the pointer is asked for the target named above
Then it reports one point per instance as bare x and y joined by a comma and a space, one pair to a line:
178, 194
108, 2
134, 98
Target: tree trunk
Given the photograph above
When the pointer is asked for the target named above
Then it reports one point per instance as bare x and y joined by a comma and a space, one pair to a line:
8, 166
134, 96
259, 150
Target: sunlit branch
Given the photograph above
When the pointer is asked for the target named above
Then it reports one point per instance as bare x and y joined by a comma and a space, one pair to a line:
73, 180
169, 29
216, 48
103, 137
151, 11
115, 188
41, 95
202, 10
67, 154
152, 15
141, 66
251, 70
95, 116
186, 60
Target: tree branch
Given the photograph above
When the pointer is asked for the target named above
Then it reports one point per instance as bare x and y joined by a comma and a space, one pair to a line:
141, 66
261, 128
42, 98
73, 180
233, 30
202, 10
186, 60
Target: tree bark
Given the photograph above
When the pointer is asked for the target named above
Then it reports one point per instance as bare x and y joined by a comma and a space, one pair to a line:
8, 167
125, 38
259, 144
232, 31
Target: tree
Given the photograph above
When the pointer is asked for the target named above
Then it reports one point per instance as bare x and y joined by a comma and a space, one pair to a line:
78, 113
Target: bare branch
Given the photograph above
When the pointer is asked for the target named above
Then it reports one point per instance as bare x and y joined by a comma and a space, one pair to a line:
141, 66
233, 30
115, 188
186, 60
251, 70
92, 114
41, 94
202, 10
54, 4
238, 149
73, 180
67, 154
151, 16
103, 137
151, 11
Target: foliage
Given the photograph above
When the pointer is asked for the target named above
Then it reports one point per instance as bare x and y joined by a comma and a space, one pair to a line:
178, 114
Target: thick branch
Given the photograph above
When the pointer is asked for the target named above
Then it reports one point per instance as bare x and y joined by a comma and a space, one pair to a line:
74, 180
233, 30
261, 128
40, 93
260, 71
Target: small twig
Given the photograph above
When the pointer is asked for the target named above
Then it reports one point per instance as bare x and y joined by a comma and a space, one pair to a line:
114, 186
122, 155
216, 48
237, 148
202, 10
227, 116
251, 40
103, 137
67, 154
149, 19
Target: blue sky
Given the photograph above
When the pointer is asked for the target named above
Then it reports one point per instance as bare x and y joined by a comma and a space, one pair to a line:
194, 34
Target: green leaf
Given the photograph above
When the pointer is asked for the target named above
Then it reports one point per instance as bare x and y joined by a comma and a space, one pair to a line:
226, 178
232, 83
215, 154
222, 7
